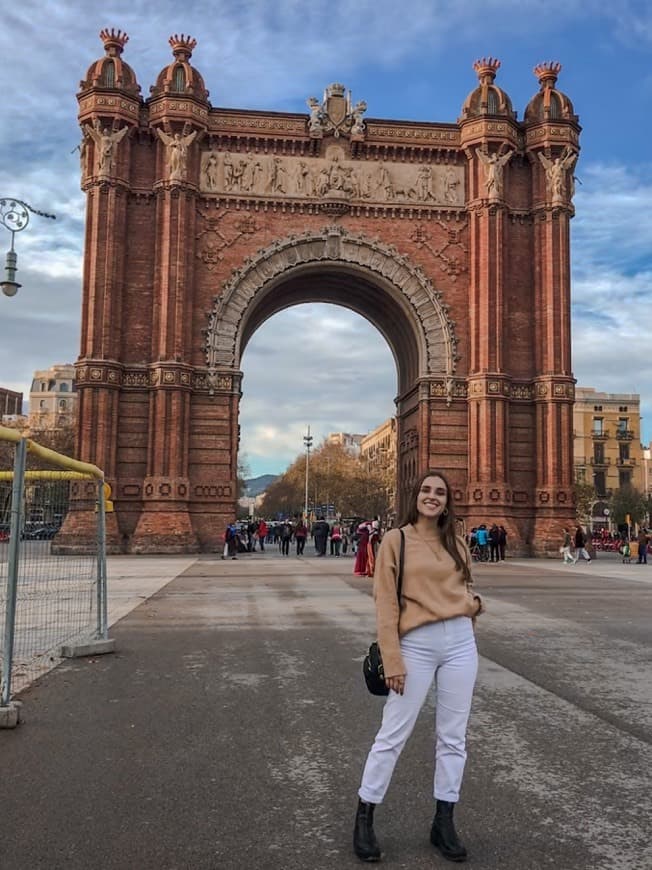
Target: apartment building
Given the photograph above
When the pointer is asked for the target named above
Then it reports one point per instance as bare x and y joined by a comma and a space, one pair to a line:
607, 440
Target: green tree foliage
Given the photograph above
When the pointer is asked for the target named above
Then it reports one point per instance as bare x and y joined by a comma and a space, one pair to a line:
243, 472
335, 477
585, 497
627, 500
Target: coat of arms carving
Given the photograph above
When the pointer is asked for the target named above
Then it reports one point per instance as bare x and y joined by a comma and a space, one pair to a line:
335, 114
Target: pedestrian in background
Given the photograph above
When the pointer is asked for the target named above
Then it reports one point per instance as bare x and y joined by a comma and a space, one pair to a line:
643, 541
336, 539
286, 537
427, 636
262, 534
580, 545
482, 538
494, 539
320, 532
565, 549
300, 535
362, 533
502, 542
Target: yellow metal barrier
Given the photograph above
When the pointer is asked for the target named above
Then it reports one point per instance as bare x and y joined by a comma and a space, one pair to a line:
53, 604
51, 455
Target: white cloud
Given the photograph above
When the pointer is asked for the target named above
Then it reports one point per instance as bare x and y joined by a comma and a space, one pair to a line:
335, 370
312, 364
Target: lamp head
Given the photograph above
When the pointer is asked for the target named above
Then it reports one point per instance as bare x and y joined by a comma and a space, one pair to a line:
10, 288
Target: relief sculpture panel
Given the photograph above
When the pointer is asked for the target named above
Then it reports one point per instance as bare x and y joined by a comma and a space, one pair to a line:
264, 175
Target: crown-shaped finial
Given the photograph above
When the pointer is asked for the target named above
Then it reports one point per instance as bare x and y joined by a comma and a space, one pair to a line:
114, 41
336, 90
547, 73
182, 46
486, 68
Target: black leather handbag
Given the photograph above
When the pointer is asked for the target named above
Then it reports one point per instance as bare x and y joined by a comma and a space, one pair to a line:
372, 666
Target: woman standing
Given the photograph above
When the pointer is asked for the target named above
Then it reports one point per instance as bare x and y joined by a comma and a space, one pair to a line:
428, 637
360, 566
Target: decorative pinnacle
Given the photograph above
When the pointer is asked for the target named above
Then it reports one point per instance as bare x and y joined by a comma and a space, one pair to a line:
547, 73
182, 46
114, 41
486, 68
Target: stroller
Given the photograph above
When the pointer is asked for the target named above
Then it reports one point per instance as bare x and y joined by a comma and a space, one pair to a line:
626, 553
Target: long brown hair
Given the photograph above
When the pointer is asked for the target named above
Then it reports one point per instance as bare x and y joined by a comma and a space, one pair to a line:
446, 521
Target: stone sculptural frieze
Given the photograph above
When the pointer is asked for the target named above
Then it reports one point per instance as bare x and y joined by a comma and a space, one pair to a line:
334, 176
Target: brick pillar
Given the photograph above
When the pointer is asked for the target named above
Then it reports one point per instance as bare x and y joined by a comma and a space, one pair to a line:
98, 369
164, 525
489, 490
554, 382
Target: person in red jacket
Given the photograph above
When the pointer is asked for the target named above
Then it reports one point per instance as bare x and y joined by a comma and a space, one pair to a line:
262, 534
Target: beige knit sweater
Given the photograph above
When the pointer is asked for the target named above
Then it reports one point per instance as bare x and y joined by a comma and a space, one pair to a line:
433, 589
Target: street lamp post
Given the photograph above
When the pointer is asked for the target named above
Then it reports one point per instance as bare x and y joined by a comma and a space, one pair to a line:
307, 441
14, 216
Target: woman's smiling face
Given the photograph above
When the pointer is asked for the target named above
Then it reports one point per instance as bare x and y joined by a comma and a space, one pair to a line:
432, 498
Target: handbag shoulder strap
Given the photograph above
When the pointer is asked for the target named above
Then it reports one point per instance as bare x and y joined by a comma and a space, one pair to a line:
401, 561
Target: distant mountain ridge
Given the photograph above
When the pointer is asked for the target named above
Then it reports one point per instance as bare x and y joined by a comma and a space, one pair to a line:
256, 485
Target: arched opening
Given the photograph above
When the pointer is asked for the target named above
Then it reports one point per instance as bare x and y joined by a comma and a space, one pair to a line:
365, 276
324, 366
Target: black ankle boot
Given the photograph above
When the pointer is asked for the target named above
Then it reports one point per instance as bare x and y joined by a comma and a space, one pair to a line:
443, 834
365, 844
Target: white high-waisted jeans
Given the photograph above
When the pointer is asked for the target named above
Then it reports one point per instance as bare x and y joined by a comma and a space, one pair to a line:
446, 652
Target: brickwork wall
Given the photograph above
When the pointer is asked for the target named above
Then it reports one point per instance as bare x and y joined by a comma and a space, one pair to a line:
162, 419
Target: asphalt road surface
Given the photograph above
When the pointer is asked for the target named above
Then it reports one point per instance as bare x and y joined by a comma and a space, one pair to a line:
230, 729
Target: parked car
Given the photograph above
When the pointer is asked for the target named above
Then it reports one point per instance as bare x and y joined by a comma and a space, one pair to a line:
39, 532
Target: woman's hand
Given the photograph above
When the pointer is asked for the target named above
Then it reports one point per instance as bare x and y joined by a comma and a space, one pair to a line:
396, 683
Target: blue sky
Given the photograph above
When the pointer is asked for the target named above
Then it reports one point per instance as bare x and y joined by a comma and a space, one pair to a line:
416, 64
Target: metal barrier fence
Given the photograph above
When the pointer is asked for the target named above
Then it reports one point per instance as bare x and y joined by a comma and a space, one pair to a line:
51, 606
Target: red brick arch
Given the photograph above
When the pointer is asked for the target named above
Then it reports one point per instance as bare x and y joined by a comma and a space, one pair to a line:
203, 222
345, 268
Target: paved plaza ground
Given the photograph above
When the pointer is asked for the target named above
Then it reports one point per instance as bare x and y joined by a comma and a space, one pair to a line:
230, 727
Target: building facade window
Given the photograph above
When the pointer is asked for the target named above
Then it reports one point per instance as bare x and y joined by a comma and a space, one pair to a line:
598, 454
179, 80
623, 452
598, 425
599, 483
624, 478
108, 74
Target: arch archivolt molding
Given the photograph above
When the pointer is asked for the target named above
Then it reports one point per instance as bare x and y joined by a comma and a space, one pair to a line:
335, 245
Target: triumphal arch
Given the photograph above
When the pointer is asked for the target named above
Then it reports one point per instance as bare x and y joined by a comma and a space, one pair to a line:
451, 238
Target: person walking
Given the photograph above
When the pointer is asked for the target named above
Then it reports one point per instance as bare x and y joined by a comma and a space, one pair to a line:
494, 540
580, 545
643, 541
565, 549
300, 535
262, 534
320, 532
426, 637
336, 539
286, 537
482, 538
231, 541
502, 542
